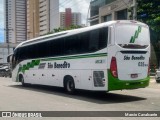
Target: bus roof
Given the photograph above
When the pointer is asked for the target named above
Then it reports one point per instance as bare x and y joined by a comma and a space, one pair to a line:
75, 31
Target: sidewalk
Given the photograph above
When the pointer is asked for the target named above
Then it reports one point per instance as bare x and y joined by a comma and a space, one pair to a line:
152, 79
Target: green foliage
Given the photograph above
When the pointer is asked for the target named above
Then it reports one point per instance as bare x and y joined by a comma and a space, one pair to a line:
149, 13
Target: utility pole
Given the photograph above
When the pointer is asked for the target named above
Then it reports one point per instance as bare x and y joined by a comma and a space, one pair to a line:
134, 9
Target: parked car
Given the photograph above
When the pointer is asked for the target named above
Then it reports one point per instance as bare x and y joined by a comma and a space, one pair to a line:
5, 71
157, 76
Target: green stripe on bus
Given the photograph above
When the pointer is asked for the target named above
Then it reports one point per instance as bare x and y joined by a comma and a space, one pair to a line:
76, 57
34, 63
31, 64
27, 66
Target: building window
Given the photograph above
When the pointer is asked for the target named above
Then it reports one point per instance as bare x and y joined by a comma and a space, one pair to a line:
107, 18
122, 15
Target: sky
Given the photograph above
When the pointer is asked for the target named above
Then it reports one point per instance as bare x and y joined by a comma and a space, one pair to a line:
81, 6
1, 21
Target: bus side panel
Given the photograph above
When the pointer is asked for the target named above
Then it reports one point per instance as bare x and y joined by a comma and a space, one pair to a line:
52, 72
86, 80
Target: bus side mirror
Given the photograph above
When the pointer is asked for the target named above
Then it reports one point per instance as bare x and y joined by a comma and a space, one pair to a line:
9, 58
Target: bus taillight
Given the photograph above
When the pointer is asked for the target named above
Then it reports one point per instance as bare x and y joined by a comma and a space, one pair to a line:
113, 67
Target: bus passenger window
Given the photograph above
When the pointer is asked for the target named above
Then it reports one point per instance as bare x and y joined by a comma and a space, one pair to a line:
94, 36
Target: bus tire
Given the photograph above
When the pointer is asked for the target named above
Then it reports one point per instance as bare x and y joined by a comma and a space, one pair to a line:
69, 85
21, 79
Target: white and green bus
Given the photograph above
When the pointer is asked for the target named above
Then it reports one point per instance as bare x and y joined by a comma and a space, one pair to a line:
109, 56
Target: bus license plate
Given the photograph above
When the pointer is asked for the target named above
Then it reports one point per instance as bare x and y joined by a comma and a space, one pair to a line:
134, 75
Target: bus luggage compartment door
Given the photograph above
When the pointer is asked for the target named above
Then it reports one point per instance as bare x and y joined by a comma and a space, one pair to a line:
132, 65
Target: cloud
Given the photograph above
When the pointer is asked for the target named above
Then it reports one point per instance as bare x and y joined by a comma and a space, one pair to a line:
81, 6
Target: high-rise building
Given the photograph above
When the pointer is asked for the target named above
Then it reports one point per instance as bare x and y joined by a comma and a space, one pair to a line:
69, 18
27, 19
76, 19
49, 15
62, 19
54, 14
42, 17
32, 18
15, 21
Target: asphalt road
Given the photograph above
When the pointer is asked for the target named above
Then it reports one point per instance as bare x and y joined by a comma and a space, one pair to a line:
14, 97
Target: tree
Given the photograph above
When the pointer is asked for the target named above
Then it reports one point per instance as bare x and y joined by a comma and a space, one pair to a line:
149, 13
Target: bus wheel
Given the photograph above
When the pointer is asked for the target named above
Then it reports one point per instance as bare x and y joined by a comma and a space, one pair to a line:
21, 79
69, 85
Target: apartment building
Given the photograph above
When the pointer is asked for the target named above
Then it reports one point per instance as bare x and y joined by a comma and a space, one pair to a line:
48, 15
15, 21
43, 17
69, 18
26, 19
32, 19
76, 19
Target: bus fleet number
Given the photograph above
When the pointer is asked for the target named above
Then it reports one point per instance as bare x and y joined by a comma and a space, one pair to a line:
142, 64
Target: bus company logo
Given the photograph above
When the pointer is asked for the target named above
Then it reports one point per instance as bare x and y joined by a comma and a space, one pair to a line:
137, 32
50, 65
63, 65
42, 66
126, 57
